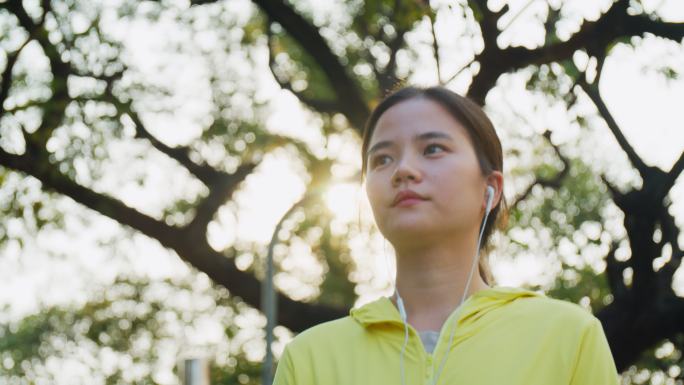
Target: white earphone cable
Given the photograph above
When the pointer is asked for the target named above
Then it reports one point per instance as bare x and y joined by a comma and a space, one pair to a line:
453, 329
402, 309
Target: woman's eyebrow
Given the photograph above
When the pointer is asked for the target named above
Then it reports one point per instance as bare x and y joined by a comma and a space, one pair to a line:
420, 137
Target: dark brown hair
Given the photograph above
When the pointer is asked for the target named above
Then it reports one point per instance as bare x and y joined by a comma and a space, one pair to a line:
483, 138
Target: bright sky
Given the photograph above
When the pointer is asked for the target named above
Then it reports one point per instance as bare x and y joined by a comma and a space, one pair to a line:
647, 108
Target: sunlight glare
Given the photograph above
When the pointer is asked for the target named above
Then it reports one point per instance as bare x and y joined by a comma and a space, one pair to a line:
343, 200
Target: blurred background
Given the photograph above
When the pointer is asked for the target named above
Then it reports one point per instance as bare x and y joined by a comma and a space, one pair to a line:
152, 153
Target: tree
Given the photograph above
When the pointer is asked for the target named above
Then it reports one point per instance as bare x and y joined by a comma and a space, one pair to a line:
127, 334
339, 71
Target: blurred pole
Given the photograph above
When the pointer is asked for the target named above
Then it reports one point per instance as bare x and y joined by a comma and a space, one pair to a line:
269, 305
195, 371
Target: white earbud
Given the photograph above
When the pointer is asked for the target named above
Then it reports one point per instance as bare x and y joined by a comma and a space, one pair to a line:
490, 197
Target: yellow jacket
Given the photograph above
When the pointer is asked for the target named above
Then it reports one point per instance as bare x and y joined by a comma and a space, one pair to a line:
504, 336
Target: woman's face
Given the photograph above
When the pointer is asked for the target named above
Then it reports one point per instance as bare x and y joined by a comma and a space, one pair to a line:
417, 145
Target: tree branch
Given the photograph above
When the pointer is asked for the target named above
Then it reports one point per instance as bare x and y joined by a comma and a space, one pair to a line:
7, 75
487, 20
387, 79
323, 106
221, 185
38, 166
295, 315
615, 193
31, 28
595, 36
614, 269
349, 95
224, 182
220, 191
435, 45
53, 112
205, 173
553, 182
593, 92
675, 171
672, 311
670, 234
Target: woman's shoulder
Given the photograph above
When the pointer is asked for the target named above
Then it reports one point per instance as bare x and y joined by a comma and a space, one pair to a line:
564, 307
553, 311
336, 331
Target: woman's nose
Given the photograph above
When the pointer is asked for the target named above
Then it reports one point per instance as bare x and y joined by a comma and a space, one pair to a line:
406, 170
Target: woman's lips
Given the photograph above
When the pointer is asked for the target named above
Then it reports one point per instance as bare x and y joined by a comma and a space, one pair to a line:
408, 202
405, 195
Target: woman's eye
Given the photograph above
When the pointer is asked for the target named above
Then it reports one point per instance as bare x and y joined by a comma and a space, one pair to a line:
378, 160
431, 146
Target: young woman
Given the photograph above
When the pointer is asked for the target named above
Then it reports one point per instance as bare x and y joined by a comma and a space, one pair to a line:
433, 167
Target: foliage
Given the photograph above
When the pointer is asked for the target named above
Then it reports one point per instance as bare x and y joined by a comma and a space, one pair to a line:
129, 332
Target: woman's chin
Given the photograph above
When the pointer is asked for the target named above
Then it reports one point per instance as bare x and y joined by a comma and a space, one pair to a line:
402, 229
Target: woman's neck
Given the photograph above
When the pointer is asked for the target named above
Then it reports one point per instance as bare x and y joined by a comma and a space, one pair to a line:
432, 282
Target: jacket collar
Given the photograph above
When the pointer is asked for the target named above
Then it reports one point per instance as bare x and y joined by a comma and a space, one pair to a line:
383, 310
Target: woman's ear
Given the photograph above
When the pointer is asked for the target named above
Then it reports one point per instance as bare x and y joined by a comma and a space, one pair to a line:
495, 179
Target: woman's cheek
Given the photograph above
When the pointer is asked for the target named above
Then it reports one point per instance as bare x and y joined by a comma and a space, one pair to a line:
373, 195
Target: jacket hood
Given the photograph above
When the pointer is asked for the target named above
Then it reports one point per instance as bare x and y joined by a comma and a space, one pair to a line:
383, 310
